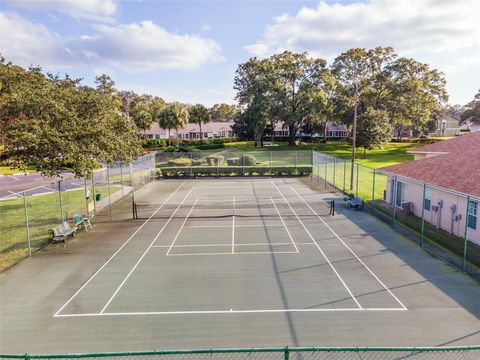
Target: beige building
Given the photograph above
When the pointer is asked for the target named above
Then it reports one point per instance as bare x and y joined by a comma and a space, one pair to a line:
447, 126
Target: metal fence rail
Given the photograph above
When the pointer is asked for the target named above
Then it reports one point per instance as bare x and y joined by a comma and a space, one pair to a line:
27, 217
443, 221
284, 353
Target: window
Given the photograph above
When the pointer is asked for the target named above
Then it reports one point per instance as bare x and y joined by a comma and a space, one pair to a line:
472, 215
427, 202
398, 199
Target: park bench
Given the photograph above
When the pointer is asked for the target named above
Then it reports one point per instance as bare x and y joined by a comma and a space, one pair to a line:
354, 202
61, 232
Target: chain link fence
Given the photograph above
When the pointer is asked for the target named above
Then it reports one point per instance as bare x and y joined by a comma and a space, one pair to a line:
364, 353
27, 218
442, 221
234, 162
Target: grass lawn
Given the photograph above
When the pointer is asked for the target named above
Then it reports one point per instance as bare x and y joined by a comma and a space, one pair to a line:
7, 170
391, 154
43, 215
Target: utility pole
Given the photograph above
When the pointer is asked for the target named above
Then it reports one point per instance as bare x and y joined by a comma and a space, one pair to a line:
354, 135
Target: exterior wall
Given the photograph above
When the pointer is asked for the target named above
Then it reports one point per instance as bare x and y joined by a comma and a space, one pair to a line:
413, 193
447, 127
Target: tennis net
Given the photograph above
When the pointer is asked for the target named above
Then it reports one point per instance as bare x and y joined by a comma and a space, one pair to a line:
273, 208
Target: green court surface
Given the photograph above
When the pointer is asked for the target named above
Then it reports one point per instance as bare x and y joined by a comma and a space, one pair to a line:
235, 263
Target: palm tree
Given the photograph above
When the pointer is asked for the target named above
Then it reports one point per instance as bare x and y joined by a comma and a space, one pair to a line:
199, 115
173, 116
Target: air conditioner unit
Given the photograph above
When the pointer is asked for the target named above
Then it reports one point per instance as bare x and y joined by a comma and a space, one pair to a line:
435, 208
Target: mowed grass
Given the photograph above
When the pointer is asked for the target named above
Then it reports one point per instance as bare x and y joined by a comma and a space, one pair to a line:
43, 214
7, 170
390, 154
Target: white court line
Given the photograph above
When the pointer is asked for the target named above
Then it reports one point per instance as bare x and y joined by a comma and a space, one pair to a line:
285, 226
181, 228
237, 244
349, 249
145, 253
207, 312
116, 252
319, 248
229, 226
232, 187
237, 253
233, 227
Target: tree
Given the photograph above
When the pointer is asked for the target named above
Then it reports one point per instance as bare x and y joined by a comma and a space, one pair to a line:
472, 110
173, 116
199, 115
353, 70
53, 124
223, 112
374, 129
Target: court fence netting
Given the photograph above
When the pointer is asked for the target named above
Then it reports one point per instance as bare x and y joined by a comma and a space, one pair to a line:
27, 217
441, 220
284, 353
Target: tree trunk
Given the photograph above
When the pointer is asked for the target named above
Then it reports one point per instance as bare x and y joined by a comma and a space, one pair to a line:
178, 140
291, 129
201, 133
364, 153
255, 142
169, 139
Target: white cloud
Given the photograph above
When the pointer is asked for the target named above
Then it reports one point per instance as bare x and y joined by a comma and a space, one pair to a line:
98, 10
410, 26
133, 47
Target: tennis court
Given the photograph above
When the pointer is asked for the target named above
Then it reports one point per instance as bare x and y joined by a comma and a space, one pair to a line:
237, 262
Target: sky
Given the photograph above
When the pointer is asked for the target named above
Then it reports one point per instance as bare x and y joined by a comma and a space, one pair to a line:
188, 51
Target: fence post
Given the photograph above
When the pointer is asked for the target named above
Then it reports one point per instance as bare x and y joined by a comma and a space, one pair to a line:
395, 185
87, 195
94, 195
286, 353
373, 192
311, 162
295, 157
218, 166
121, 177
132, 185
326, 172
464, 263
334, 174
423, 214
243, 163
60, 198
356, 185
27, 224
109, 193
190, 155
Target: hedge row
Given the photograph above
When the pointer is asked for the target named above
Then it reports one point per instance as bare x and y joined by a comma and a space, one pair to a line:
200, 171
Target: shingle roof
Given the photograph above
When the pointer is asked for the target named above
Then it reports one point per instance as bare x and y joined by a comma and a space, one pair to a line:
460, 143
458, 170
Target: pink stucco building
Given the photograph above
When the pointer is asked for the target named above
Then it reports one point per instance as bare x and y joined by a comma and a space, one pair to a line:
450, 170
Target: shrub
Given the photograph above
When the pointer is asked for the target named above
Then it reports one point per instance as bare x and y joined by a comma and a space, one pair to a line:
180, 162
248, 160
235, 161
154, 143
199, 162
217, 141
214, 160
169, 149
210, 146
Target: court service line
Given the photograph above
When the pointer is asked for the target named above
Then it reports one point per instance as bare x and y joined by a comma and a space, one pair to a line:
229, 226
319, 248
233, 227
144, 253
181, 228
224, 245
207, 312
349, 249
116, 252
285, 226
237, 253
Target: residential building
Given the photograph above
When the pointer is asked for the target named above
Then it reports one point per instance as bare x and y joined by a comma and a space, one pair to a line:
224, 129
451, 171
447, 126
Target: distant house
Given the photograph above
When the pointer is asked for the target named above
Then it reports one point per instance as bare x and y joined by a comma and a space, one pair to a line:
451, 170
224, 129
192, 131
447, 125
